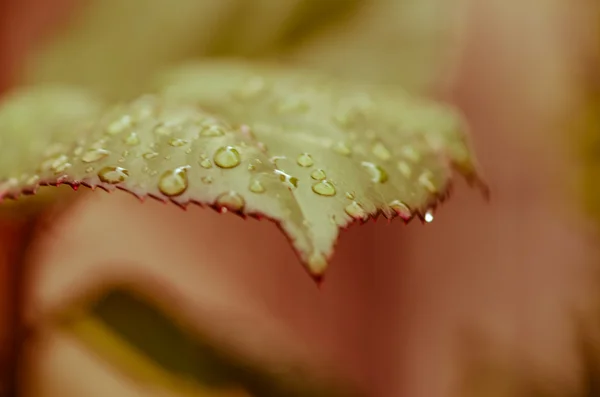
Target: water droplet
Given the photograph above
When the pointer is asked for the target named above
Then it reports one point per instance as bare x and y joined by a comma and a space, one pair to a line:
305, 160
163, 130
356, 211
188, 150
120, 125
428, 217
426, 180
56, 164
404, 169
401, 209
381, 152
205, 162
317, 263
410, 153
207, 180
176, 142
290, 181
150, 155
324, 188
212, 131
256, 186
93, 155
230, 201
227, 157
318, 175
89, 170
113, 175
378, 174
342, 148
174, 182
132, 139
350, 196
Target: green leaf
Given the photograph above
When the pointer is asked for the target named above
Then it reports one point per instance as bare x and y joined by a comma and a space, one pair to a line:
139, 337
308, 152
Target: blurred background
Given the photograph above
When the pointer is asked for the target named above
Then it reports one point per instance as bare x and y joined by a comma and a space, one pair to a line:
490, 299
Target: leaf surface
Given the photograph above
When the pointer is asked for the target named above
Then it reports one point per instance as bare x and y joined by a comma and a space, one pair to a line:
304, 150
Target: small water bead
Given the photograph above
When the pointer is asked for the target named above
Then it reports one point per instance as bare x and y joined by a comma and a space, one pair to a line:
318, 175
404, 169
381, 152
93, 155
212, 131
378, 174
256, 186
290, 181
205, 162
120, 125
207, 180
150, 155
174, 182
350, 196
132, 139
341, 148
356, 211
426, 180
177, 142
324, 188
428, 217
305, 160
113, 175
230, 201
317, 263
401, 209
227, 157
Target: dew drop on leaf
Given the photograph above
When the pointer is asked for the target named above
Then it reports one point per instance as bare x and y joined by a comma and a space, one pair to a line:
207, 180
176, 142
174, 182
150, 155
426, 180
256, 186
113, 175
381, 152
230, 201
318, 175
120, 125
94, 155
401, 209
289, 181
212, 131
205, 162
378, 174
324, 188
305, 160
428, 217
355, 210
342, 148
132, 139
227, 157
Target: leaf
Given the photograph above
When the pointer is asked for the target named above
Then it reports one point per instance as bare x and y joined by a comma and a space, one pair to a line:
140, 338
308, 152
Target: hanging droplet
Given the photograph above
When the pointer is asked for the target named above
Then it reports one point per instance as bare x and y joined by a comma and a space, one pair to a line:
177, 142
381, 152
318, 175
324, 188
305, 160
93, 155
113, 175
378, 174
132, 139
356, 211
212, 131
256, 186
120, 125
317, 264
290, 181
174, 182
401, 209
428, 217
341, 148
227, 157
230, 201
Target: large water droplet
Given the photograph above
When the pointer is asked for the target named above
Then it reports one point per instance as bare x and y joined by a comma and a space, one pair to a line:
305, 160
113, 175
318, 175
256, 186
341, 148
120, 125
230, 201
93, 155
378, 174
290, 181
227, 157
132, 139
401, 209
174, 182
381, 152
324, 188
356, 211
